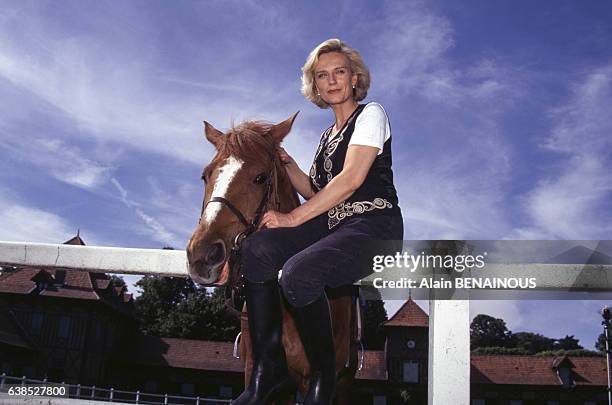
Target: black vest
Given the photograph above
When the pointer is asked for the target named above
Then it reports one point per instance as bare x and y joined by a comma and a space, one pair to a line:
376, 196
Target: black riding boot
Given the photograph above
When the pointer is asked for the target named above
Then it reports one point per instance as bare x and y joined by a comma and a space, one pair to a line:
314, 325
269, 372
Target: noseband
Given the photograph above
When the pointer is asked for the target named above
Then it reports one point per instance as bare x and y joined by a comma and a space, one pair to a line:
234, 296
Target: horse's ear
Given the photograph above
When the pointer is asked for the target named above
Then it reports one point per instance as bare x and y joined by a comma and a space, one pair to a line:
213, 135
280, 130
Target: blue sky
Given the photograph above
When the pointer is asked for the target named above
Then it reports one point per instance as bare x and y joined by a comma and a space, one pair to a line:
500, 113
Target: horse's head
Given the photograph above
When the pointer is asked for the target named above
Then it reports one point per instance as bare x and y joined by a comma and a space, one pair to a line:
237, 181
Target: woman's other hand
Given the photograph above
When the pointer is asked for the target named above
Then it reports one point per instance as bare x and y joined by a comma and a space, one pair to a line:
299, 180
275, 219
284, 157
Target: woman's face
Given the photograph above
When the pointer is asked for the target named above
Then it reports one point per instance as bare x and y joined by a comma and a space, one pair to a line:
334, 79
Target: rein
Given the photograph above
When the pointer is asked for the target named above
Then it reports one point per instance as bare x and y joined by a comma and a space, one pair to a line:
234, 295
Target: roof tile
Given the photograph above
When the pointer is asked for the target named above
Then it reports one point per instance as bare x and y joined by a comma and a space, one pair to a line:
534, 370
409, 314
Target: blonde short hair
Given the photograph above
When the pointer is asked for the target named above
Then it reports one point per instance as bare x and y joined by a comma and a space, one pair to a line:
357, 66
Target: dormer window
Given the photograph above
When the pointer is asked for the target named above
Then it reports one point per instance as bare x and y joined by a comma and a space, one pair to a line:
60, 276
41, 285
43, 280
563, 367
565, 375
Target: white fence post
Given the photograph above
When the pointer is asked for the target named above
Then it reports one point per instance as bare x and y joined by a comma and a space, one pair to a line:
449, 352
448, 374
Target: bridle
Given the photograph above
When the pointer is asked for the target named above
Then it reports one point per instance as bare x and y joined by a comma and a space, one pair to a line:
234, 296
250, 227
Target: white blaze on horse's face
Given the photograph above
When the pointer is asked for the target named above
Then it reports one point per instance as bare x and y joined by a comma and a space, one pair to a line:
224, 178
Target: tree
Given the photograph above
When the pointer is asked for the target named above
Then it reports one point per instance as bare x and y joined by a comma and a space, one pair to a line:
176, 307
374, 315
601, 343
568, 343
486, 331
214, 321
117, 281
490, 335
499, 350
573, 353
533, 342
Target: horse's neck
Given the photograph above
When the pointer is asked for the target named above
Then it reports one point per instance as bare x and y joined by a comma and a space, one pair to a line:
287, 195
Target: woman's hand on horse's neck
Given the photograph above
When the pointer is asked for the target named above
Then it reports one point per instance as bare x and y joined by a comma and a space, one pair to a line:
299, 179
357, 164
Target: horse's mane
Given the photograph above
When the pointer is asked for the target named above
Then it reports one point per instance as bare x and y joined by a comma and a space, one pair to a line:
248, 141
251, 141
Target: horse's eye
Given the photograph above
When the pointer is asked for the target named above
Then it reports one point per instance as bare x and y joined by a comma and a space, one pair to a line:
260, 179
204, 179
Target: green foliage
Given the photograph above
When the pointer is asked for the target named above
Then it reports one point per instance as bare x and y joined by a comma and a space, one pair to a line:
600, 345
486, 331
117, 280
546, 353
374, 314
489, 332
500, 350
533, 342
176, 307
568, 343
574, 353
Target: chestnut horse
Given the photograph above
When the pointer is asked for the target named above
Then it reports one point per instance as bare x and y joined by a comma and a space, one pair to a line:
244, 179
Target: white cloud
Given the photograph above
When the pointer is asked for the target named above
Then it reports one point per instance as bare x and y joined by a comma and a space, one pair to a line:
439, 203
63, 162
453, 181
156, 230
21, 222
411, 59
412, 42
28, 224
109, 95
572, 200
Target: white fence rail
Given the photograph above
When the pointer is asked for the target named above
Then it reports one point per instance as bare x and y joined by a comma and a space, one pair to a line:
161, 262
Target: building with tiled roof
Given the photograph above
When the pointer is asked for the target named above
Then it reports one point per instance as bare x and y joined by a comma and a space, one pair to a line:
182, 366
409, 314
395, 375
495, 379
56, 282
61, 324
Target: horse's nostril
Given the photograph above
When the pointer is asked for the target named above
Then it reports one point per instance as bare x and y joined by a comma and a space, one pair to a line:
215, 253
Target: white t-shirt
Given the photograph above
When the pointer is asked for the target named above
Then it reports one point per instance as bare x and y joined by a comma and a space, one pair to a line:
371, 128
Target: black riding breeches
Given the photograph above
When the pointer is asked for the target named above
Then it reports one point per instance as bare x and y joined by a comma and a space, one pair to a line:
313, 257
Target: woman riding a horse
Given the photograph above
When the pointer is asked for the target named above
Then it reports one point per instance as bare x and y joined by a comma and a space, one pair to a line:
350, 202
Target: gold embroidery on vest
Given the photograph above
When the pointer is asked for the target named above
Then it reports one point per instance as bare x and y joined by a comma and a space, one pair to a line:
344, 209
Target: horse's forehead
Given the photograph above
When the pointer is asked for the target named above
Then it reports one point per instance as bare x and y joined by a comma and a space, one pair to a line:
227, 171
232, 163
